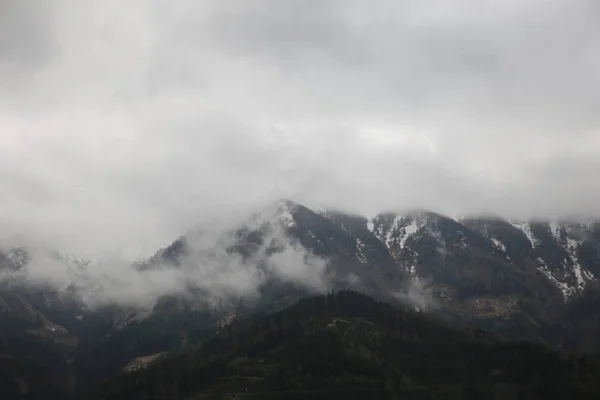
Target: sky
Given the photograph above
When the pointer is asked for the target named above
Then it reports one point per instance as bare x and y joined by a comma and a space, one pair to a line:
125, 123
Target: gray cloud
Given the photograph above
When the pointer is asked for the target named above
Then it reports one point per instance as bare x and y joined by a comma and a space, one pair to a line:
26, 36
207, 266
417, 293
125, 124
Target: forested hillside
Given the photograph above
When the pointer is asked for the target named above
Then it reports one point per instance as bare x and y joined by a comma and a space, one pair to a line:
346, 344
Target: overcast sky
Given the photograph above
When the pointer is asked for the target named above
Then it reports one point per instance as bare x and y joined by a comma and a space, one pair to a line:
123, 123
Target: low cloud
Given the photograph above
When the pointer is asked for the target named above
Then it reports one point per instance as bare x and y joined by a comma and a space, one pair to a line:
207, 265
415, 293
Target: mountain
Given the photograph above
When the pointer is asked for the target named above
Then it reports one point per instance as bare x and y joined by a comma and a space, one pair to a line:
517, 278
484, 272
521, 279
534, 280
39, 334
349, 345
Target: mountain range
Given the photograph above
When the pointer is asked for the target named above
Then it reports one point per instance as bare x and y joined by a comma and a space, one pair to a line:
534, 280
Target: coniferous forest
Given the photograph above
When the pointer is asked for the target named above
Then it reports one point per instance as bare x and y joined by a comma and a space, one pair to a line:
348, 345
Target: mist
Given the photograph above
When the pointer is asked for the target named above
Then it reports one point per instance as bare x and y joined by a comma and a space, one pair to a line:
415, 293
208, 265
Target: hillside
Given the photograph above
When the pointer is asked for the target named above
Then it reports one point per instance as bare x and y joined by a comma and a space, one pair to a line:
348, 344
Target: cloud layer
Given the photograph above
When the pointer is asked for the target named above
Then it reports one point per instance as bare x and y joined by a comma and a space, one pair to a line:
126, 123
206, 266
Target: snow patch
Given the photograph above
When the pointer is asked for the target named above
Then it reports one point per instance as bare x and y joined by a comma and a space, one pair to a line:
526, 229
398, 231
409, 230
312, 235
498, 244
563, 287
389, 241
571, 245
571, 248
361, 247
370, 225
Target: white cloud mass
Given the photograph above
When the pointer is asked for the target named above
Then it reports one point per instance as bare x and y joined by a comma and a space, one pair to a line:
206, 266
124, 123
